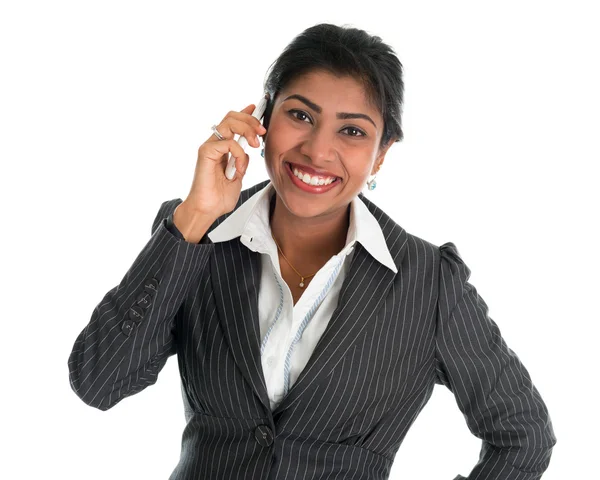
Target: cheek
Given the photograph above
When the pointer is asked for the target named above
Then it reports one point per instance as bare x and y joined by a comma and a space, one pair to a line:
281, 135
275, 143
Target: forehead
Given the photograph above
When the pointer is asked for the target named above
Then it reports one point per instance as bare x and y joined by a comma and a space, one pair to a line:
330, 91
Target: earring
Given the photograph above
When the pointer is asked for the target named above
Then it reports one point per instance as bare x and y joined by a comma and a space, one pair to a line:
262, 153
372, 183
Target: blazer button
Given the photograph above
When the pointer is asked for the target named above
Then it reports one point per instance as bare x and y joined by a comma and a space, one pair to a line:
144, 300
263, 435
151, 286
136, 313
127, 327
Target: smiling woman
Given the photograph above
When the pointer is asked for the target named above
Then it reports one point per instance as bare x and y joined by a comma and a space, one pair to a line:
310, 328
324, 126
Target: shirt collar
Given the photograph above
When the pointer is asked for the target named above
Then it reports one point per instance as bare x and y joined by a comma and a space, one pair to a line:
251, 221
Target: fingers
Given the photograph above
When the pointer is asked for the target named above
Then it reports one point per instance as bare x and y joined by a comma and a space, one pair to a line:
245, 114
241, 123
234, 123
249, 109
218, 150
232, 126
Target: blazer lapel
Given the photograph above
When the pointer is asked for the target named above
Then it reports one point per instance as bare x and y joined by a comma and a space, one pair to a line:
362, 294
235, 274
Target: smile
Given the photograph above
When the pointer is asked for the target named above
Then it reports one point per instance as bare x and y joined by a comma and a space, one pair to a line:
306, 187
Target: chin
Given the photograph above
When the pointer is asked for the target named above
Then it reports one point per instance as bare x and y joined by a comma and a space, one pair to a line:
298, 206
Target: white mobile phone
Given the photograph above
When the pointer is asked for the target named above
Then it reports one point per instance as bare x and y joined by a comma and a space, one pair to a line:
258, 113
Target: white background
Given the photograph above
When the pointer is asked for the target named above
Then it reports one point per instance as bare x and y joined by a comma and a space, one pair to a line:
103, 106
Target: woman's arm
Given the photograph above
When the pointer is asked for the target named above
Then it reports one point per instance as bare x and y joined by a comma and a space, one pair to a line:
131, 332
491, 386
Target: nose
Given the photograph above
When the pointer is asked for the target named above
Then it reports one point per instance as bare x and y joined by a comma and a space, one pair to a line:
319, 146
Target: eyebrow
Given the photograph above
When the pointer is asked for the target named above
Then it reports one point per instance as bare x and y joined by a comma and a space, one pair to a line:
341, 115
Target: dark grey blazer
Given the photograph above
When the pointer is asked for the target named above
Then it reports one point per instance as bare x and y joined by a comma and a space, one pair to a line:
391, 338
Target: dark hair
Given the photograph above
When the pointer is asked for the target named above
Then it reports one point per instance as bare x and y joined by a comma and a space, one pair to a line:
344, 51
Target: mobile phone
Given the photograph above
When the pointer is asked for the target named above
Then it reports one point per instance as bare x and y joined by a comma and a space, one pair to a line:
258, 113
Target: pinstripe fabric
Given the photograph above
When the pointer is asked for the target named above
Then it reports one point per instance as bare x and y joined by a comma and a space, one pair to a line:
290, 331
392, 337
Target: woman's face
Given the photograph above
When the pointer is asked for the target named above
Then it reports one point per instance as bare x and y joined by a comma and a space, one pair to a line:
325, 123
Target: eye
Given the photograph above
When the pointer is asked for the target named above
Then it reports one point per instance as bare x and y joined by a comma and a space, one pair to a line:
354, 132
300, 115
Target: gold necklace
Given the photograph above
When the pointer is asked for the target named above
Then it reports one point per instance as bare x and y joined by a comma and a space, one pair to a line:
301, 285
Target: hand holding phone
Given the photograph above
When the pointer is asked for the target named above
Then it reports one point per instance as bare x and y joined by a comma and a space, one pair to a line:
258, 113
212, 194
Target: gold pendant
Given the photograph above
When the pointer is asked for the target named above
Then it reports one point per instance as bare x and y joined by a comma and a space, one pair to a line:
302, 283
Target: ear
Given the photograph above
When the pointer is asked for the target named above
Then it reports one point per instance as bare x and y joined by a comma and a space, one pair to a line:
381, 156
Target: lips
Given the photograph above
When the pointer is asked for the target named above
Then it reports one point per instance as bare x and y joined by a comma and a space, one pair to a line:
312, 189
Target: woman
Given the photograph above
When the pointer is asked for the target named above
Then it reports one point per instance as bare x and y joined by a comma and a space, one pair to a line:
310, 328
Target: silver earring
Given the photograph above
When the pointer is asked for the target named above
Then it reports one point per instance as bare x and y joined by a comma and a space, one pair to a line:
372, 183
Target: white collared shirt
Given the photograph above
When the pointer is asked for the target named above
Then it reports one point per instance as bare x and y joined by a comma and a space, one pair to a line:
289, 333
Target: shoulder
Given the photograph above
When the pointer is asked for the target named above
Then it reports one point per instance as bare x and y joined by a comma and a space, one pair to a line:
405, 247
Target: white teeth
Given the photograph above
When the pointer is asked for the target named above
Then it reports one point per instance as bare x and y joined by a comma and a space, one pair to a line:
306, 178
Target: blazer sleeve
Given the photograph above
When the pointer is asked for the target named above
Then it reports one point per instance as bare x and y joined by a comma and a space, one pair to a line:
491, 386
131, 332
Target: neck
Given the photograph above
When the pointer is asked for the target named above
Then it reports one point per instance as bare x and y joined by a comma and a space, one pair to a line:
308, 242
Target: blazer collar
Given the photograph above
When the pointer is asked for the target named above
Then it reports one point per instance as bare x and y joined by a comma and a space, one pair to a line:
251, 221
235, 275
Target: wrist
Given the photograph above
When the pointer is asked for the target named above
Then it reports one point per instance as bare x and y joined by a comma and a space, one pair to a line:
191, 223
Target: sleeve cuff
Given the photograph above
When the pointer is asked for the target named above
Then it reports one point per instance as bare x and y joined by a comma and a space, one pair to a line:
170, 225
172, 228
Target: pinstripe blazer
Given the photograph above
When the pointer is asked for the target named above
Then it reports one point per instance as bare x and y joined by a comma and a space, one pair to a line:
391, 338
